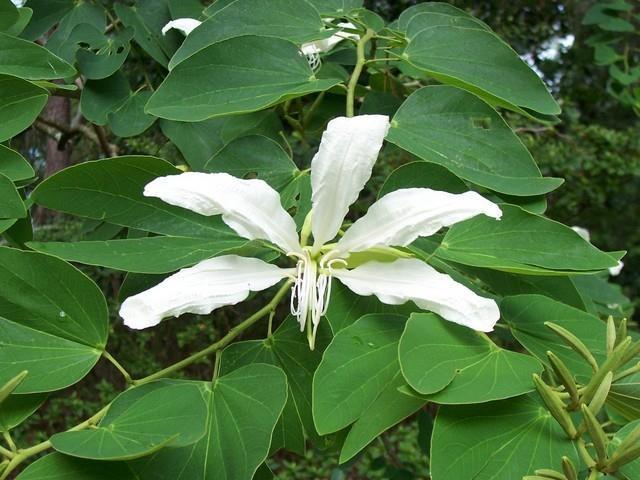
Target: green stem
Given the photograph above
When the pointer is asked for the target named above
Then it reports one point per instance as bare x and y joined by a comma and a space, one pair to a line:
6, 453
357, 70
121, 369
9, 440
21, 455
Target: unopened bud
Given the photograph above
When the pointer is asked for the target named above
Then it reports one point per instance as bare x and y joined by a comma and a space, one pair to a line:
568, 469
8, 388
564, 375
613, 361
550, 474
598, 437
621, 334
555, 406
574, 342
611, 335
600, 397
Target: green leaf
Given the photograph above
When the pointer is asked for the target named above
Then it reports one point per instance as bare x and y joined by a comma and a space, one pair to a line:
526, 316
101, 97
288, 349
502, 440
335, 7
46, 13
367, 351
433, 9
17, 408
199, 141
631, 469
220, 79
14, 166
521, 242
422, 175
20, 104
624, 397
24, 17
293, 20
6, 224
74, 26
141, 421
31, 61
130, 119
452, 364
8, 15
453, 128
111, 190
102, 56
143, 255
469, 58
11, 205
244, 407
56, 466
54, 321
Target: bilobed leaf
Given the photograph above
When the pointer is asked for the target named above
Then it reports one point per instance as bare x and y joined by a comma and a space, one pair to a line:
199, 141
502, 440
31, 61
335, 7
64, 40
14, 166
111, 190
294, 20
367, 351
221, 79
20, 103
56, 466
101, 97
11, 204
453, 128
470, 58
141, 421
143, 255
434, 9
130, 119
53, 321
244, 407
452, 364
521, 242
17, 408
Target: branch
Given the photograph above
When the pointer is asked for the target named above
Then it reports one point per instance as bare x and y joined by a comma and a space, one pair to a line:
355, 76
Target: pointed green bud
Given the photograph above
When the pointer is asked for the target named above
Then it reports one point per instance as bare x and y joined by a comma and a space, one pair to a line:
568, 469
611, 335
600, 397
597, 434
534, 477
574, 342
11, 385
619, 459
632, 352
621, 334
550, 474
555, 405
613, 361
565, 376
630, 441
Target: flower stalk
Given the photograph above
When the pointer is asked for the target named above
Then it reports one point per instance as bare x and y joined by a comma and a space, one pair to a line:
357, 70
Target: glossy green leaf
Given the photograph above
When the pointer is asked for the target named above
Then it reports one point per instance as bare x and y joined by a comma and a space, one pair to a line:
433, 9
452, 364
24, 17
294, 20
56, 466
31, 61
521, 242
46, 13
130, 119
218, 80
199, 141
65, 40
11, 205
14, 166
607, 297
502, 440
453, 128
17, 408
143, 255
141, 421
244, 407
422, 175
469, 58
20, 104
111, 190
335, 7
288, 349
365, 350
8, 15
624, 396
54, 321
526, 316
101, 97
102, 58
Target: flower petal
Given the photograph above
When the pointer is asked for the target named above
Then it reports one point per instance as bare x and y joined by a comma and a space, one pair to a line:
615, 271
340, 169
400, 217
201, 289
185, 25
411, 279
583, 232
326, 44
251, 207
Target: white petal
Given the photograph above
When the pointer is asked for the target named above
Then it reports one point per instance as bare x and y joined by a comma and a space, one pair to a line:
340, 169
615, 271
251, 207
326, 44
201, 289
400, 217
583, 232
185, 25
411, 279
19, 3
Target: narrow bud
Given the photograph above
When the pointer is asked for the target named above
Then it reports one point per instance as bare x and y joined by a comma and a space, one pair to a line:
574, 342
614, 361
611, 335
618, 459
534, 477
564, 375
630, 441
568, 469
632, 351
621, 334
550, 474
555, 406
11, 385
600, 397
597, 434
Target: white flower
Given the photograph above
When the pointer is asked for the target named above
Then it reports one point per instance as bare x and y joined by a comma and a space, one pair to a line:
584, 233
19, 3
339, 172
185, 25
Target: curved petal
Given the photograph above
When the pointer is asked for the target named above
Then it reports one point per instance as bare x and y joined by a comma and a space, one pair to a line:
583, 232
340, 169
411, 279
200, 289
326, 44
251, 207
400, 217
185, 25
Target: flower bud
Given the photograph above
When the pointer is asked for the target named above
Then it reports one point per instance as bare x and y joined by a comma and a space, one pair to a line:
564, 375
575, 343
556, 407
568, 469
598, 437
11, 385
